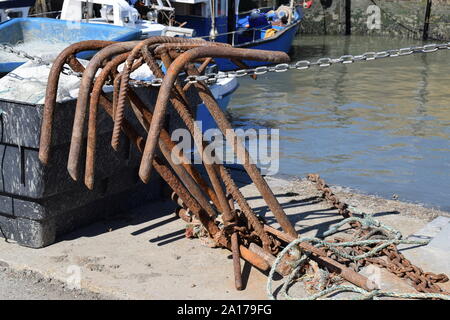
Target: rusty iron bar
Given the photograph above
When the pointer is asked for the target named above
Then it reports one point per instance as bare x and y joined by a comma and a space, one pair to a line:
52, 90
165, 172
236, 261
92, 121
83, 100
183, 111
109, 68
124, 83
166, 145
161, 105
244, 156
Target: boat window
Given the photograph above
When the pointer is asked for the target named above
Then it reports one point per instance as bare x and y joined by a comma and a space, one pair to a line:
185, 9
221, 9
248, 5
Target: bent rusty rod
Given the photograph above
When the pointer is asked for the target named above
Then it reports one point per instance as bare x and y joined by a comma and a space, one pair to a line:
171, 76
156, 70
231, 187
83, 100
242, 153
224, 125
124, 85
186, 176
52, 90
166, 145
178, 187
92, 121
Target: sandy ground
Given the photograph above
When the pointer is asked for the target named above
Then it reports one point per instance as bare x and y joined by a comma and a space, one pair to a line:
145, 255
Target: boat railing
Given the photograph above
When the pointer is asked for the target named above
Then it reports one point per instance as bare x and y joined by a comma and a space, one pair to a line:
235, 34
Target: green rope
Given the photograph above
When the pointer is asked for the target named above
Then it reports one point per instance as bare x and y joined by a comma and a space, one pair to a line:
367, 221
366, 295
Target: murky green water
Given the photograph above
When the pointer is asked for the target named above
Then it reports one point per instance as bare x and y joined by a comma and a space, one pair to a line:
381, 127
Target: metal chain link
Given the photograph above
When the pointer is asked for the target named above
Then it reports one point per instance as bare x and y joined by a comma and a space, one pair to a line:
38, 60
395, 261
304, 64
211, 78
22, 54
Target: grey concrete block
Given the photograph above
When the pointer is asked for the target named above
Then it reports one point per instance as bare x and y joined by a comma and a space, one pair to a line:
26, 232
442, 239
434, 257
431, 230
39, 203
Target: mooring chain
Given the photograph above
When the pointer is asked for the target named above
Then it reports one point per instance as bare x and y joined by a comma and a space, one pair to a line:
396, 262
37, 60
329, 195
398, 265
302, 65
212, 78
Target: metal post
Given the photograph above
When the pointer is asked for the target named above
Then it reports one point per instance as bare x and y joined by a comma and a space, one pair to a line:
427, 20
348, 17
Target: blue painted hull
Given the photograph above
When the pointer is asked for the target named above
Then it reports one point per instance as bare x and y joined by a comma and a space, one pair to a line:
282, 42
53, 30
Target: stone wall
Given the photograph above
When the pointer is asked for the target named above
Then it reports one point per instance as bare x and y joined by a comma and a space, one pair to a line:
401, 18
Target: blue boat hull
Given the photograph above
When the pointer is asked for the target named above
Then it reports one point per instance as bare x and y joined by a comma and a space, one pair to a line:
53, 30
281, 42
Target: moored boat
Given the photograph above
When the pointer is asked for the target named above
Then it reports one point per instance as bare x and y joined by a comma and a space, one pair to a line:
10, 9
265, 25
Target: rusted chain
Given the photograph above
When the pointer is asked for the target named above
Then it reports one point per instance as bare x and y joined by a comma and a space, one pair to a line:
328, 194
396, 262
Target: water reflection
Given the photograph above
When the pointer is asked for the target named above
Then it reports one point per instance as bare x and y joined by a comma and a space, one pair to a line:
381, 126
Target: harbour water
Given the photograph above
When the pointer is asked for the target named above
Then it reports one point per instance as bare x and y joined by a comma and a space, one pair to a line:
381, 127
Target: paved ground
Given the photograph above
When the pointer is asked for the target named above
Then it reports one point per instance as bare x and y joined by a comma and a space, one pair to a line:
144, 255
29, 285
